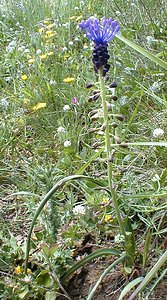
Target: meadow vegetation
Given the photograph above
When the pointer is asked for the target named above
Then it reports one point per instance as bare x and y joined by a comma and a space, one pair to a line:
51, 127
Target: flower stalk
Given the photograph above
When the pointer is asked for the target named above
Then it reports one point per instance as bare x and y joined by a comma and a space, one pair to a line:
108, 150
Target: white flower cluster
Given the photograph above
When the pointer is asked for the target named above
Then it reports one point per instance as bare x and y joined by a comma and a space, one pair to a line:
158, 132
79, 210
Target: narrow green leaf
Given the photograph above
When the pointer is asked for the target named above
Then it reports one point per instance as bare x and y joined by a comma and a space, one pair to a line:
90, 257
146, 246
142, 51
130, 286
86, 165
150, 275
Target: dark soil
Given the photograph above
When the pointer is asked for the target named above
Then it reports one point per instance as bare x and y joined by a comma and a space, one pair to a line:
110, 288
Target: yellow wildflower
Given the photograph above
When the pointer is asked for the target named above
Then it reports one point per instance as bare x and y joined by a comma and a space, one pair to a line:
31, 60
18, 270
29, 271
68, 79
106, 200
47, 36
24, 77
25, 100
73, 18
79, 18
50, 53
41, 30
43, 56
50, 25
107, 218
46, 22
39, 106
48, 32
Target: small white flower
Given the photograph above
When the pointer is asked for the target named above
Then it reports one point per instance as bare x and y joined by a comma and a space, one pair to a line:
61, 129
52, 82
64, 49
39, 51
71, 43
158, 132
156, 178
119, 238
67, 144
79, 210
66, 107
27, 279
26, 51
4, 102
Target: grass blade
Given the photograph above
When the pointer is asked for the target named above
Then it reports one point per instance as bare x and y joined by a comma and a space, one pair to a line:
142, 51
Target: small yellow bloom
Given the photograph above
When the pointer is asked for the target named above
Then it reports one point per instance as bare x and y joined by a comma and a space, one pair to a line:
39, 106
29, 271
50, 53
79, 18
107, 218
25, 100
18, 270
48, 32
73, 18
43, 56
50, 25
24, 77
68, 79
41, 30
46, 22
106, 200
31, 60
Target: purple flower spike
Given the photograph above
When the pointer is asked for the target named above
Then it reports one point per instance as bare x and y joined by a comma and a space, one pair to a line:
101, 33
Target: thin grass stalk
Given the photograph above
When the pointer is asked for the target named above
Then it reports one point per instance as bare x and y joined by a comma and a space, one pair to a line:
116, 262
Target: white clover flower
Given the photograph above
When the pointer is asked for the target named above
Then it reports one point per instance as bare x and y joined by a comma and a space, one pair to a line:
71, 43
79, 210
67, 144
64, 49
156, 178
119, 238
66, 107
158, 132
39, 51
27, 279
52, 82
26, 51
61, 129
4, 102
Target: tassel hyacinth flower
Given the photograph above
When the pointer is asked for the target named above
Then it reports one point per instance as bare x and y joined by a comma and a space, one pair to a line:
101, 33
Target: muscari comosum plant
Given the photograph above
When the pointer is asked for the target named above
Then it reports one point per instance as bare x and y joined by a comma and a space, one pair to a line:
101, 33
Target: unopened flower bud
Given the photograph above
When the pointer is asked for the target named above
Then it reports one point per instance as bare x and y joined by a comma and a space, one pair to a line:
115, 125
96, 145
123, 145
120, 117
91, 130
115, 98
96, 92
92, 112
106, 78
89, 85
111, 158
117, 140
113, 85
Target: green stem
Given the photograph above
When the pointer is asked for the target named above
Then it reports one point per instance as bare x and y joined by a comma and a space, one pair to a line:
108, 149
